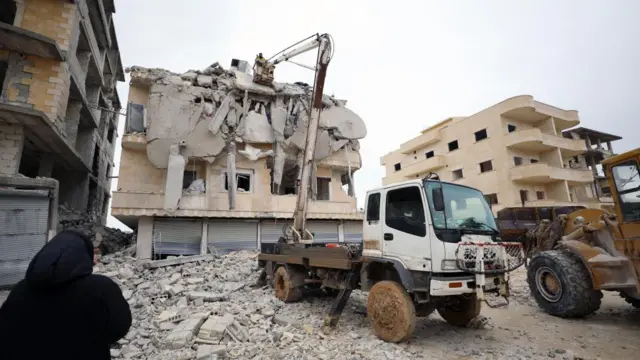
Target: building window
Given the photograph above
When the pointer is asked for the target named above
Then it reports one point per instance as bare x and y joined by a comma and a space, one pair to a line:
405, 211
486, 166
453, 145
243, 182
188, 178
324, 189
8, 10
457, 174
111, 133
524, 195
491, 198
533, 161
540, 195
511, 128
373, 207
517, 160
429, 154
397, 167
606, 191
481, 135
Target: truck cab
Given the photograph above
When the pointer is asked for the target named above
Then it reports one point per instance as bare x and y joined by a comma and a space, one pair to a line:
426, 228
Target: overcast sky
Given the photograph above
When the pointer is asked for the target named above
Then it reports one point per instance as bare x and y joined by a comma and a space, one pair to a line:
404, 65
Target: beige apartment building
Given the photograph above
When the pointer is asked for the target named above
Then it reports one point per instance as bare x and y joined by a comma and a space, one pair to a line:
187, 134
515, 152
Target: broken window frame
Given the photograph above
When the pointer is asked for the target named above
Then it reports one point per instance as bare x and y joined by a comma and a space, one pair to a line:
127, 128
223, 181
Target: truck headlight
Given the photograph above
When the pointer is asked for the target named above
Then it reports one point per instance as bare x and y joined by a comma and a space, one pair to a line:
449, 265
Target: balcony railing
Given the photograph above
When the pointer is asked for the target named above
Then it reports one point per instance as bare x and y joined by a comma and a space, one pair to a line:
542, 173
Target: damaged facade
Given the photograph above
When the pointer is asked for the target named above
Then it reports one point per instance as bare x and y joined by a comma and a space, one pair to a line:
59, 65
212, 158
516, 152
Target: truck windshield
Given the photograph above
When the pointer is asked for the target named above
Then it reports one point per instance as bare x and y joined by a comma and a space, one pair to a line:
466, 209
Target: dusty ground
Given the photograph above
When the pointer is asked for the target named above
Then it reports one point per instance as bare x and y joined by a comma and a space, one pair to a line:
521, 331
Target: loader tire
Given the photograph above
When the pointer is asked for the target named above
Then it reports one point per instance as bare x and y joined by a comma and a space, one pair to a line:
461, 312
391, 312
561, 285
283, 289
632, 301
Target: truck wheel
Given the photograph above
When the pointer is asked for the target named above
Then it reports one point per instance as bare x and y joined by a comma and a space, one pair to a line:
461, 312
391, 312
283, 288
633, 301
561, 284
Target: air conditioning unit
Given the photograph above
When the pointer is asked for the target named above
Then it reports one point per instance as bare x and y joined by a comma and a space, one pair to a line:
240, 65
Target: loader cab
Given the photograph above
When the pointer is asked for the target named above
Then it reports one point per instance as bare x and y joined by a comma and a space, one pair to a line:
623, 173
420, 223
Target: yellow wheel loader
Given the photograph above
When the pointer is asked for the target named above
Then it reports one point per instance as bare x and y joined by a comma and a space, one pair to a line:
580, 254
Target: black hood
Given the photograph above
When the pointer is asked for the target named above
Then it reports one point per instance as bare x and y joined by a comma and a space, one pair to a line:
67, 257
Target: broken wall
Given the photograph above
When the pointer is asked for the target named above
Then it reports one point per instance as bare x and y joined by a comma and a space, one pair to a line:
207, 113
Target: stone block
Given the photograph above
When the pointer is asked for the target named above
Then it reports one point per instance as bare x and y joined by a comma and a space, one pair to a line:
183, 333
214, 327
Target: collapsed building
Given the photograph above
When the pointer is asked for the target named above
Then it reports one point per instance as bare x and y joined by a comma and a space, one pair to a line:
211, 158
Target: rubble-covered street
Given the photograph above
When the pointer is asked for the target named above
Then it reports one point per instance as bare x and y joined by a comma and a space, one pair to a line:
208, 307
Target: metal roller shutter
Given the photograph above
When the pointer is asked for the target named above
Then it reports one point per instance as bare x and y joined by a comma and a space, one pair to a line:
352, 231
177, 236
323, 231
232, 235
24, 218
271, 230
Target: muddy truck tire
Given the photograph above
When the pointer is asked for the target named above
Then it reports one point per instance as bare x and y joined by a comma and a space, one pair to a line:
561, 285
462, 311
284, 289
391, 312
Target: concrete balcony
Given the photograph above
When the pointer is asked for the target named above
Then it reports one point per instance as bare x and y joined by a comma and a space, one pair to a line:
525, 109
534, 140
248, 205
423, 166
541, 173
426, 139
134, 141
342, 160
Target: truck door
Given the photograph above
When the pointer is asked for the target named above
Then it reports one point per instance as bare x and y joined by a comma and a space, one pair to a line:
372, 226
405, 235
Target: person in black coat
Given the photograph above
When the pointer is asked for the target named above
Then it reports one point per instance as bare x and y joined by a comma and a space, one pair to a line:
61, 310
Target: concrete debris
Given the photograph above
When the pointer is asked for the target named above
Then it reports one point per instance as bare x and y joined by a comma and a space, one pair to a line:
196, 187
254, 154
173, 183
107, 240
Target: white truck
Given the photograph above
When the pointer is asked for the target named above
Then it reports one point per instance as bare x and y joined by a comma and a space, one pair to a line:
427, 245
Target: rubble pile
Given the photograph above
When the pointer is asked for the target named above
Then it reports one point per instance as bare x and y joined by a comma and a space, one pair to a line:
211, 308
108, 240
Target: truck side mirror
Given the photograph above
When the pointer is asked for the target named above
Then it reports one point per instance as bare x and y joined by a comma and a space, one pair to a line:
438, 199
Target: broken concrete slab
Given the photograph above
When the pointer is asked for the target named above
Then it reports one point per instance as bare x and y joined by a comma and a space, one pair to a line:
221, 113
174, 111
214, 328
184, 333
209, 352
253, 153
323, 145
205, 80
278, 122
346, 123
257, 129
244, 82
206, 296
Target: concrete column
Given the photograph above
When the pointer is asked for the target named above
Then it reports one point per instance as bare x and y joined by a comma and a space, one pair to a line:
599, 142
46, 165
588, 141
11, 145
72, 120
205, 235
19, 12
341, 231
144, 242
609, 146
